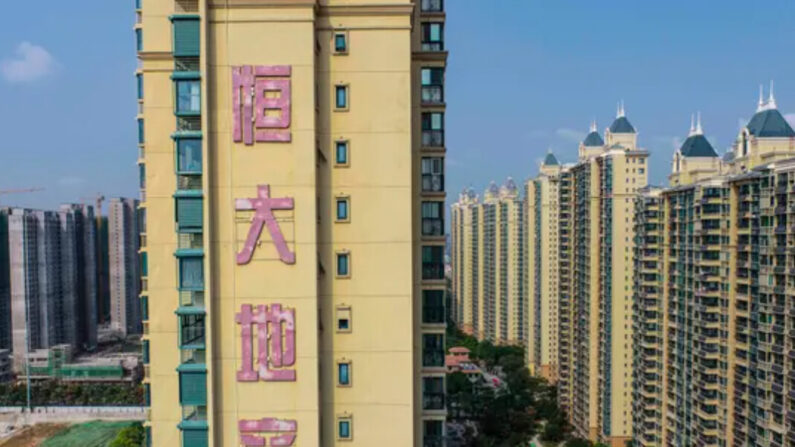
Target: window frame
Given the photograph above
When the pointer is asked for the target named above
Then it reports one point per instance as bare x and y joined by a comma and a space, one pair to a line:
344, 363
345, 88
432, 176
338, 429
178, 142
337, 256
433, 222
177, 109
196, 316
340, 200
426, 41
431, 85
347, 145
343, 313
346, 39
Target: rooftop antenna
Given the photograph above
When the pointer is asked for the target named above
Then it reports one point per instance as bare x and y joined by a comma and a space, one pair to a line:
593, 126
621, 113
761, 105
692, 125
771, 102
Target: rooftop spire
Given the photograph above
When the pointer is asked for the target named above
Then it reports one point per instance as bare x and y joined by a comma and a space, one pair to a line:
593, 126
621, 112
692, 125
771, 102
699, 129
761, 105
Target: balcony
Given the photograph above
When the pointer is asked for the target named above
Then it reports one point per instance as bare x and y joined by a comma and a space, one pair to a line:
433, 138
432, 6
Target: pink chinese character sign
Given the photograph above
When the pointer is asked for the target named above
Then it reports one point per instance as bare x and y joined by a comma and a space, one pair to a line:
275, 343
261, 101
283, 432
263, 206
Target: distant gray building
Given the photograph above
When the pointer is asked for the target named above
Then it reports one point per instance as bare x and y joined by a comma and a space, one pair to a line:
86, 258
124, 284
24, 266
5, 283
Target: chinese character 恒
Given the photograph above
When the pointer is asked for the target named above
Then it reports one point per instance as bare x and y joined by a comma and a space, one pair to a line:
261, 101
275, 343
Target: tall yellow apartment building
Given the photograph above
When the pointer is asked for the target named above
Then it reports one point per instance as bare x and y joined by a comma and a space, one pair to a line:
715, 288
292, 164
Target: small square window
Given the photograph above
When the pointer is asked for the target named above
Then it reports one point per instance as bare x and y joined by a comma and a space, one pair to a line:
343, 265
341, 97
344, 428
344, 373
341, 153
343, 209
344, 321
340, 42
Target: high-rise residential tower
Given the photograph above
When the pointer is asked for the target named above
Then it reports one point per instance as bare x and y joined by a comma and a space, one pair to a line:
82, 234
124, 267
713, 320
5, 282
542, 226
465, 215
292, 160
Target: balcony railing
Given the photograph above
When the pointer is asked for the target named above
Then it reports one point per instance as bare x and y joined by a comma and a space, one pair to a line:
433, 138
433, 314
432, 182
432, 94
433, 401
432, 270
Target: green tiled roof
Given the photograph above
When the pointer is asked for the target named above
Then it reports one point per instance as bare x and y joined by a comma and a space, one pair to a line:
770, 124
593, 139
550, 160
622, 125
697, 146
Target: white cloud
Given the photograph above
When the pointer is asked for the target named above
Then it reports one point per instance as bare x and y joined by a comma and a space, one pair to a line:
29, 63
570, 134
71, 181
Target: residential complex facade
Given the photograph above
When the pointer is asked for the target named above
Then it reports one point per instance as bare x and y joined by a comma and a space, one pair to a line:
125, 267
714, 346
488, 286
292, 159
576, 262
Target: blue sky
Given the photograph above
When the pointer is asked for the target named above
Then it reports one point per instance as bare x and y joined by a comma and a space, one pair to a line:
523, 76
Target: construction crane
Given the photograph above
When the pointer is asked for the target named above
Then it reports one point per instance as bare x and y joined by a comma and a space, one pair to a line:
19, 191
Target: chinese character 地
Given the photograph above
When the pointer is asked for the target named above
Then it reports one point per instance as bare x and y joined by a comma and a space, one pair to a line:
261, 101
275, 343
252, 432
263, 206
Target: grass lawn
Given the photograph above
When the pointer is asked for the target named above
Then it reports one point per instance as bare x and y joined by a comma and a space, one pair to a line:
90, 434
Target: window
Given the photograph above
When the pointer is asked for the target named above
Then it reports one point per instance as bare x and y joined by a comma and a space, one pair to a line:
433, 174
340, 42
344, 373
147, 395
432, 433
341, 153
343, 208
433, 307
344, 319
193, 388
139, 40
143, 260
195, 437
139, 78
188, 97
433, 262
433, 393
142, 176
189, 156
433, 129
144, 307
145, 351
191, 273
189, 214
186, 37
344, 428
140, 131
343, 265
341, 97
191, 329
433, 350
433, 218
432, 37
433, 85
432, 6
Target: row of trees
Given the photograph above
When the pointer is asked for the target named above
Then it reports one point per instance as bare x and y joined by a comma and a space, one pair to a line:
55, 393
